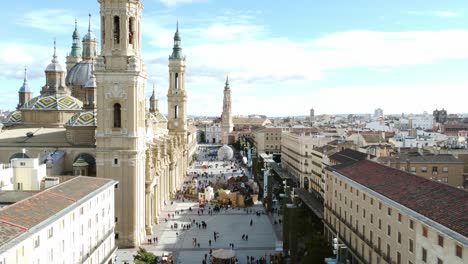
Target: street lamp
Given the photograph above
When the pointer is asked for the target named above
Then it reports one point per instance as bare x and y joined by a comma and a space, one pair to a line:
336, 248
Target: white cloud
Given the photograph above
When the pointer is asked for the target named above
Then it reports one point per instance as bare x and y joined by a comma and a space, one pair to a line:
171, 3
438, 13
56, 20
446, 14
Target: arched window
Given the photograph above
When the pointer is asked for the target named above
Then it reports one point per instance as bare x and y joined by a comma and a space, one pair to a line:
103, 31
117, 116
131, 29
116, 30
176, 111
176, 79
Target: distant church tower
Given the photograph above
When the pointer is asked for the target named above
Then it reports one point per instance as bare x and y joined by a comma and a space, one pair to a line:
153, 103
177, 95
226, 116
24, 92
120, 134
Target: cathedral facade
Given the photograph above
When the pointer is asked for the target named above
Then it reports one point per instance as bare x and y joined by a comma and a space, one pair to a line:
93, 113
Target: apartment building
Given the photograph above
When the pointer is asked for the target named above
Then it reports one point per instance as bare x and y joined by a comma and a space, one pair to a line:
383, 215
268, 140
72, 222
439, 167
296, 155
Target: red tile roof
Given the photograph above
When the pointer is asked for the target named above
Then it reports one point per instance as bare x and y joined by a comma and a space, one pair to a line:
23, 215
442, 203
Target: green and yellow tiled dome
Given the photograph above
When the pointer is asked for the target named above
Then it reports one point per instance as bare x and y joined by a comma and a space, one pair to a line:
53, 102
82, 119
14, 118
156, 117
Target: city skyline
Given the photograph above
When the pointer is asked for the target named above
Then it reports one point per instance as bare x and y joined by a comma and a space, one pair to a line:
335, 58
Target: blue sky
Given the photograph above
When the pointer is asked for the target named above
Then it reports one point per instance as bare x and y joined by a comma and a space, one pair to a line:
283, 57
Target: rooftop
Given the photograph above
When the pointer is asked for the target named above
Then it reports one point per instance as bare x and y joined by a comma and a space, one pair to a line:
347, 156
42, 137
20, 217
416, 157
441, 203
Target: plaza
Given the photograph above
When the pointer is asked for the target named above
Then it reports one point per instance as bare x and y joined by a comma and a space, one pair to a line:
230, 224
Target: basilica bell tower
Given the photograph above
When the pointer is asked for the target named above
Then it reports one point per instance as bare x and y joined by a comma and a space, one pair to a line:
177, 95
120, 134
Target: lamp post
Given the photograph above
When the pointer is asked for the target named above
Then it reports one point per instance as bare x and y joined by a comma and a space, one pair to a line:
336, 249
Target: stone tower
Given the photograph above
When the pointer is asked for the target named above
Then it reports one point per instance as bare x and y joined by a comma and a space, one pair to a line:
177, 95
226, 116
153, 102
75, 54
89, 44
24, 93
120, 134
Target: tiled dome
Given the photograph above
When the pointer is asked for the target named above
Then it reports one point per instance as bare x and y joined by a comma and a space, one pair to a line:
53, 102
82, 119
14, 118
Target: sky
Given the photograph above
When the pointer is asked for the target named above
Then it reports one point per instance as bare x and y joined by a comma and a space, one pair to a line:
283, 57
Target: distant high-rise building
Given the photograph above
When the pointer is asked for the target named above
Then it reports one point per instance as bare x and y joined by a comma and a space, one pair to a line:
312, 115
378, 112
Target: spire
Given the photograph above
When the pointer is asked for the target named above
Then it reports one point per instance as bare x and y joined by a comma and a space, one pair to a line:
227, 80
25, 87
76, 49
153, 91
89, 23
177, 49
54, 60
153, 102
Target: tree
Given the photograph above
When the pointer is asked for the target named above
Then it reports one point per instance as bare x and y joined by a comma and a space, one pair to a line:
145, 257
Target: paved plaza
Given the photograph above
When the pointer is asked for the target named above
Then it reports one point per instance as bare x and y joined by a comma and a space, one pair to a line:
230, 224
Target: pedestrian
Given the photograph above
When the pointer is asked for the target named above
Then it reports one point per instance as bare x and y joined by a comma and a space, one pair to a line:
198, 245
251, 222
243, 236
209, 242
247, 237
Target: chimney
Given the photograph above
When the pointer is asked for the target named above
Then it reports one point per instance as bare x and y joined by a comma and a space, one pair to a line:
397, 163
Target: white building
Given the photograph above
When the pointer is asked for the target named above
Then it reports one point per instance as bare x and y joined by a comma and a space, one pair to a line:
424, 121
213, 134
72, 222
22, 174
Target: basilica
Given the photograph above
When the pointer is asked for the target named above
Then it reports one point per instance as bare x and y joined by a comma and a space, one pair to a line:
91, 118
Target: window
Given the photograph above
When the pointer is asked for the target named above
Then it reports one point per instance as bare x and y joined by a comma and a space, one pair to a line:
117, 116
176, 111
424, 231
440, 240
434, 170
399, 217
410, 246
439, 261
81, 211
413, 169
380, 224
131, 28
115, 162
103, 21
423, 169
458, 251
37, 241
411, 224
371, 201
371, 218
116, 236
389, 211
364, 213
399, 238
22, 163
116, 30
380, 206
50, 232
398, 258
424, 254
388, 250
389, 230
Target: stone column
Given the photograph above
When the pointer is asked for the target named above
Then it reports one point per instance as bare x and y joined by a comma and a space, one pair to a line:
148, 221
